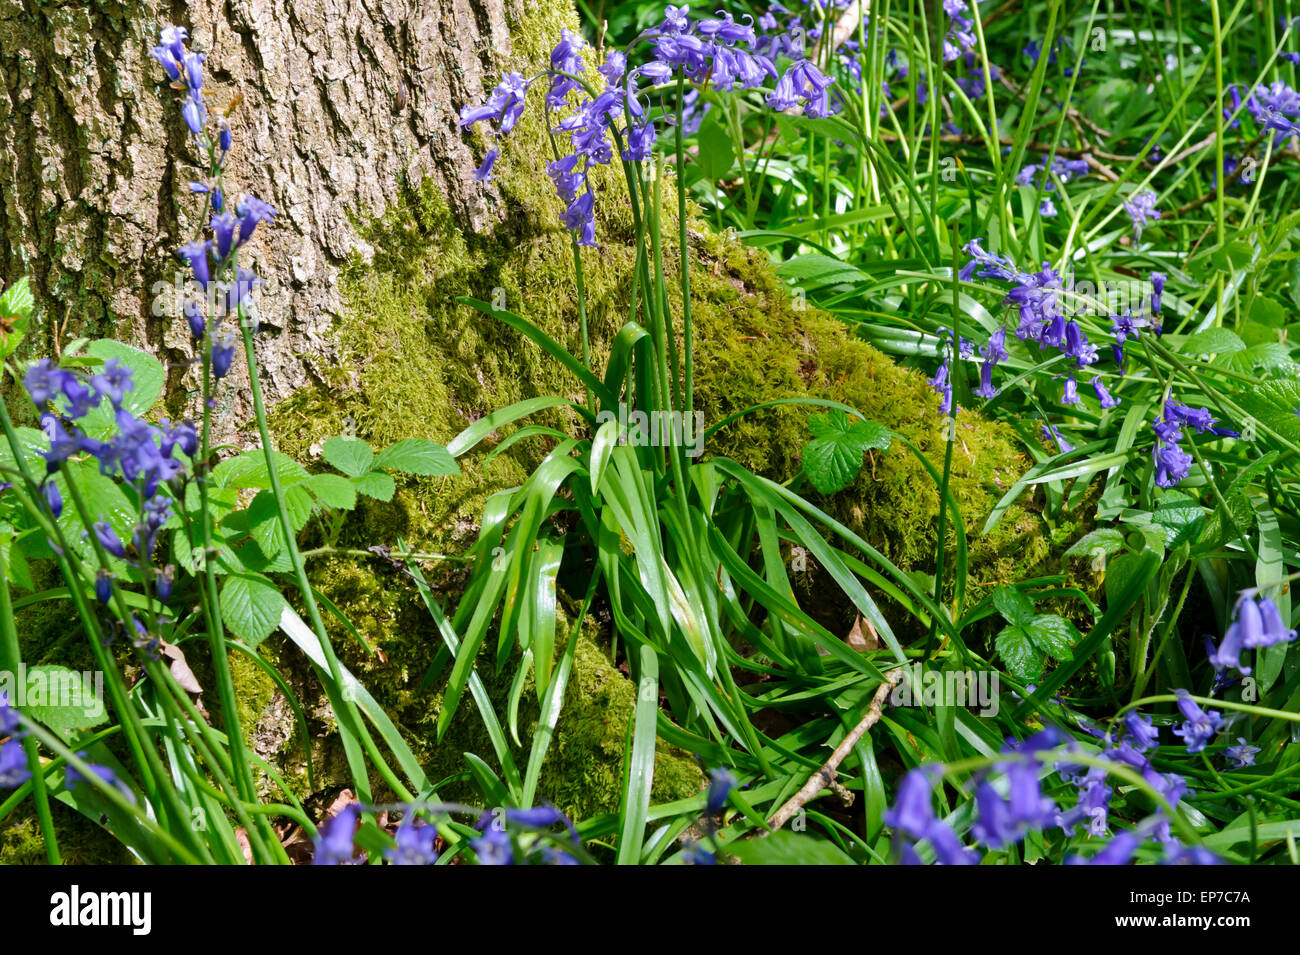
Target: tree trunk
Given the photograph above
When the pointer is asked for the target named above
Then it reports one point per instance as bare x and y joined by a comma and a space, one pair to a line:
343, 101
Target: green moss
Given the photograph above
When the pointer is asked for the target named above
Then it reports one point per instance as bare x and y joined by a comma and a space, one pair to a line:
80, 841
415, 362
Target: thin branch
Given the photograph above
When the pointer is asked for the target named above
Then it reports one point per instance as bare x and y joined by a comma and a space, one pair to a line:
824, 778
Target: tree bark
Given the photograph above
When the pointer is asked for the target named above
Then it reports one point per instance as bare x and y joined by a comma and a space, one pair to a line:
343, 101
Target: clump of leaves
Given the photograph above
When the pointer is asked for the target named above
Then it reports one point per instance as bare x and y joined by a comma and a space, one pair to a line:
1029, 638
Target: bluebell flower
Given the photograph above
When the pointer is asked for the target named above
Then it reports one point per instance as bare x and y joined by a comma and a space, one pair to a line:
108, 538
1051, 434
1241, 755
193, 64
484, 172
335, 840
196, 254
566, 57
173, 40
1141, 209
1157, 291
13, 765
912, 811
223, 354
504, 106
53, 498
73, 778
194, 114
112, 382
170, 64
942, 384
223, 138
1200, 726
194, 318
1118, 851
1258, 624
1070, 391
721, 782
1228, 654
224, 227
252, 211
163, 582
1046, 209
1141, 731
415, 843
693, 853
1104, 397
948, 849
10, 721
493, 847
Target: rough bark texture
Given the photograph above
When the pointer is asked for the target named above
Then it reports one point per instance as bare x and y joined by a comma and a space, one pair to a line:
344, 100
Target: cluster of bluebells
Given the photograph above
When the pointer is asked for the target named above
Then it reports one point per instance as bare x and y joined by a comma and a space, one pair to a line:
1259, 624
1010, 802
719, 51
416, 840
1039, 299
143, 455
1274, 108
1043, 177
213, 261
1172, 463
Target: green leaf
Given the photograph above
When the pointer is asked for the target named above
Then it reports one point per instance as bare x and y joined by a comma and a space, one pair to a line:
248, 470
376, 484
1213, 341
1022, 659
717, 152
832, 460
1106, 540
264, 518
352, 456
1014, 606
1181, 517
1257, 358
251, 607
418, 456
333, 490
1053, 635
1275, 404
58, 698
787, 848
147, 381
16, 306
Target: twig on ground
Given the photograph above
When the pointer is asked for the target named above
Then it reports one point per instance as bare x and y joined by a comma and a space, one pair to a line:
825, 777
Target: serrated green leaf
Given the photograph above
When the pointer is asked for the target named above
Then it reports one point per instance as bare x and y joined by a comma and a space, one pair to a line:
264, 518
248, 470
333, 490
352, 456
251, 607
1020, 656
1015, 607
376, 484
418, 456
1213, 341
832, 460
57, 698
1274, 403
1053, 635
